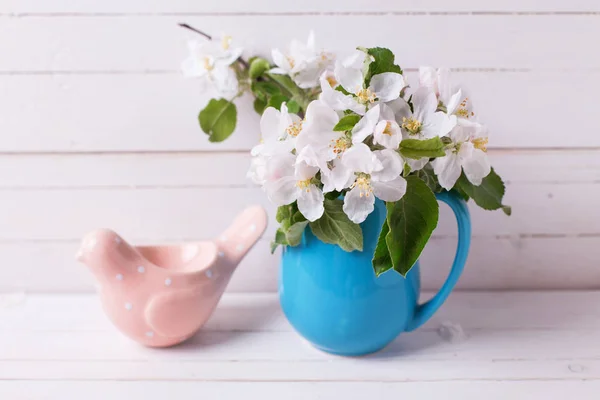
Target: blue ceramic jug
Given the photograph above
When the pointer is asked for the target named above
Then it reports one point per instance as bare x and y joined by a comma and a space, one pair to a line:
335, 301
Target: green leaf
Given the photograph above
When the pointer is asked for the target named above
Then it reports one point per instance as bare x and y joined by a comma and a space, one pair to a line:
406, 170
332, 195
429, 177
488, 195
218, 119
280, 239
460, 192
259, 105
383, 62
411, 221
293, 107
283, 213
298, 217
263, 89
340, 88
381, 258
416, 149
346, 123
294, 234
258, 66
276, 101
334, 227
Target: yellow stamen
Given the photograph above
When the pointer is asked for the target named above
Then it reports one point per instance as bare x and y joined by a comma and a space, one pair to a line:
388, 129
291, 61
304, 185
332, 81
480, 143
463, 111
412, 125
365, 96
340, 145
226, 42
294, 129
208, 63
363, 183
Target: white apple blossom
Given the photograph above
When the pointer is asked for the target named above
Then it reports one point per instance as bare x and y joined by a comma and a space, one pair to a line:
425, 122
287, 181
438, 80
383, 87
375, 174
320, 144
387, 131
467, 152
258, 169
336, 99
279, 130
303, 63
211, 62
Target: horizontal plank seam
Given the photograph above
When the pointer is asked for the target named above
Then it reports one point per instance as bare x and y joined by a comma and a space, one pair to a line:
95, 72
208, 331
316, 380
585, 235
383, 13
166, 187
491, 150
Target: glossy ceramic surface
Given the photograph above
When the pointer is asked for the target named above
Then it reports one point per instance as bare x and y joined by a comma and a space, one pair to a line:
335, 301
161, 295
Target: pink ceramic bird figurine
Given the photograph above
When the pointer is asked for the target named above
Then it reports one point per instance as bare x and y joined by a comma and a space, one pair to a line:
161, 295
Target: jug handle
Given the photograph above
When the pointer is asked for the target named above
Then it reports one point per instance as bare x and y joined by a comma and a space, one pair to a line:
424, 311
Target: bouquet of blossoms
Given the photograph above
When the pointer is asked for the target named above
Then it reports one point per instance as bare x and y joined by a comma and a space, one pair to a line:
339, 135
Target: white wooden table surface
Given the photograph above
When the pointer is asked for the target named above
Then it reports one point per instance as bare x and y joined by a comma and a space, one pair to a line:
514, 345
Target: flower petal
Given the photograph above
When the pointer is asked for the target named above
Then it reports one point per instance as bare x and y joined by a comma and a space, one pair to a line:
320, 117
338, 178
356, 60
389, 139
281, 60
310, 203
387, 86
309, 156
453, 102
428, 78
392, 165
416, 165
437, 124
447, 169
424, 103
351, 79
257, 170
358, 207
225, 81
366, 125
282, 191
270, 124
477, 167
359, 158
391, 190
280, 166
338, 100
303, 171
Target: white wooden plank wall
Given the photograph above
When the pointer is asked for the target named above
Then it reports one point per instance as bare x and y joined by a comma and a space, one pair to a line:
98, 128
